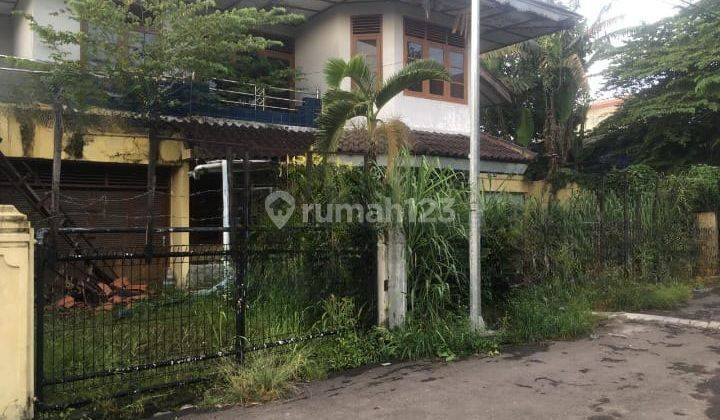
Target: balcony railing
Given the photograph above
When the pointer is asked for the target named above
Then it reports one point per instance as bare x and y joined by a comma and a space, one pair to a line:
221, 98
262, 103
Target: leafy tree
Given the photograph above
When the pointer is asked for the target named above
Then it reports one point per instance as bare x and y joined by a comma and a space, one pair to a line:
670, 74
143, 52
548, 77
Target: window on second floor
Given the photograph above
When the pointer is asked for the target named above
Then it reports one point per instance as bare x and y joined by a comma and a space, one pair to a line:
367, 41
431, 42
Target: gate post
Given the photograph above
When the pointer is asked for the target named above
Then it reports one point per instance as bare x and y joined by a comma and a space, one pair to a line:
180, 217
707, 224
392, 278
16, 307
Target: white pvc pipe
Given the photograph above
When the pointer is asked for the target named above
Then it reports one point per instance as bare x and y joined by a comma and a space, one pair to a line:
226, 204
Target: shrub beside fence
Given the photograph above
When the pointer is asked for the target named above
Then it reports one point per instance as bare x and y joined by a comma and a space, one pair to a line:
113, 325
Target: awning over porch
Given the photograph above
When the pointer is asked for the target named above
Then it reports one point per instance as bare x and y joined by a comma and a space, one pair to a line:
503, 22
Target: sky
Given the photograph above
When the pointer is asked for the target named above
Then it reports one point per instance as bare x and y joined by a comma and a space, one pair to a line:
633, 13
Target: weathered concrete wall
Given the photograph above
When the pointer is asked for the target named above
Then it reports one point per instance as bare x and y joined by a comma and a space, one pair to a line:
113, 145
16, 322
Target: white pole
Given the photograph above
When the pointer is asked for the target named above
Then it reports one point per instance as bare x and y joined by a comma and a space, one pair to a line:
226, 204
476, 319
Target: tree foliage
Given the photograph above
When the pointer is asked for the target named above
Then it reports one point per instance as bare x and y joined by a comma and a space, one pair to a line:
548, 79
670, 74
139, 54
141, 51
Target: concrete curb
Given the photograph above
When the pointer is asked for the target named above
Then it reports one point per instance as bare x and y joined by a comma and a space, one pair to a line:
665, 320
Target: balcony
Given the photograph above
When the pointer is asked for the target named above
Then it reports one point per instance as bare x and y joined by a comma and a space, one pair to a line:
264, 104
220, 98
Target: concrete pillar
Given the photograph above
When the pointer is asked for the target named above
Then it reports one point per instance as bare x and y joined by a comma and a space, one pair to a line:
180, 217
392, 279
382, 281
397, 279
707, 224
16, 307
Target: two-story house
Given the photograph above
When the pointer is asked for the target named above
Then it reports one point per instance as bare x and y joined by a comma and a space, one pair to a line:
271, 123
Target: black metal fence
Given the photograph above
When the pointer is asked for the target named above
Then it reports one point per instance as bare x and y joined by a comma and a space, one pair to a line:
116, 322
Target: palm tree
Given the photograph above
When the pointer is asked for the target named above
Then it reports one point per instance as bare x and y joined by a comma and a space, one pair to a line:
365, 99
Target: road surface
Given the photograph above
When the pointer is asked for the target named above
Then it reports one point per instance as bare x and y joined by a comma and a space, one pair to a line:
626, 370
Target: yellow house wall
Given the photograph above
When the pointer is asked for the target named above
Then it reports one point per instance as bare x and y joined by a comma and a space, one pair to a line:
112, 146
516, 184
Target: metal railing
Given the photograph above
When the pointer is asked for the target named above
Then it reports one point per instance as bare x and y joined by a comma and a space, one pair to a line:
226, 97
260, 96
167, 312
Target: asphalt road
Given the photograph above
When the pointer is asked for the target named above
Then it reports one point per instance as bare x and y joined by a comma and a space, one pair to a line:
624, 371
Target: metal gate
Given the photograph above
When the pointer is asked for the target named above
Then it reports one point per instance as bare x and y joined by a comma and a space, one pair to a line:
112, 323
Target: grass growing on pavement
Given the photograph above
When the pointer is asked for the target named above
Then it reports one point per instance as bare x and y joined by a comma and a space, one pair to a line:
560, 310
265, 376
636, 296
547, 311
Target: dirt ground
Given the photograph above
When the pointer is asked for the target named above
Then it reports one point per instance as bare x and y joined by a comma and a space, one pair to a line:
623, 371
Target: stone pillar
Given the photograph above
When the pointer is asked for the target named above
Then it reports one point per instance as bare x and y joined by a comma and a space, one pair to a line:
16, 321
707, 224
392, 279
180, 217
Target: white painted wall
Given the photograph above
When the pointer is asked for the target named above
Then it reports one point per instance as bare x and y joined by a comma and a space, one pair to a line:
457, 164
328, 36
23, 35
45, 12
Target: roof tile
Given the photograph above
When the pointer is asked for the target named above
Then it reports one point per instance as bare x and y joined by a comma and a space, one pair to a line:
445, 145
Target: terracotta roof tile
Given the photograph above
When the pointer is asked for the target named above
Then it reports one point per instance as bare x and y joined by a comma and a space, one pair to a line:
210, 140
445, 145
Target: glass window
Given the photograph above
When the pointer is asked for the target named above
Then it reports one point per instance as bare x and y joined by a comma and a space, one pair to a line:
422, 41
457, 74
437, 87
415, 52
368, 49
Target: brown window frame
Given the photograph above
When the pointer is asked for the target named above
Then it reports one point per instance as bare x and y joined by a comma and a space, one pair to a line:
378, 38
447, 86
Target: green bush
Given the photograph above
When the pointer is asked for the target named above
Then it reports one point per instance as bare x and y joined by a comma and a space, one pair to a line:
547, 311
265, 376
620, 294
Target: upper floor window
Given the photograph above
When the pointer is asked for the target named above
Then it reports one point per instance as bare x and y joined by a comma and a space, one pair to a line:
427, 41
367, 41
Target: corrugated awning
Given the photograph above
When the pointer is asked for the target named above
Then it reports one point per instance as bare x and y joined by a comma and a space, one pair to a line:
503, 22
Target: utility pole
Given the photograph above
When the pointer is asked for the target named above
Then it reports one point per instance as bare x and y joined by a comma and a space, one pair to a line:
476, 319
